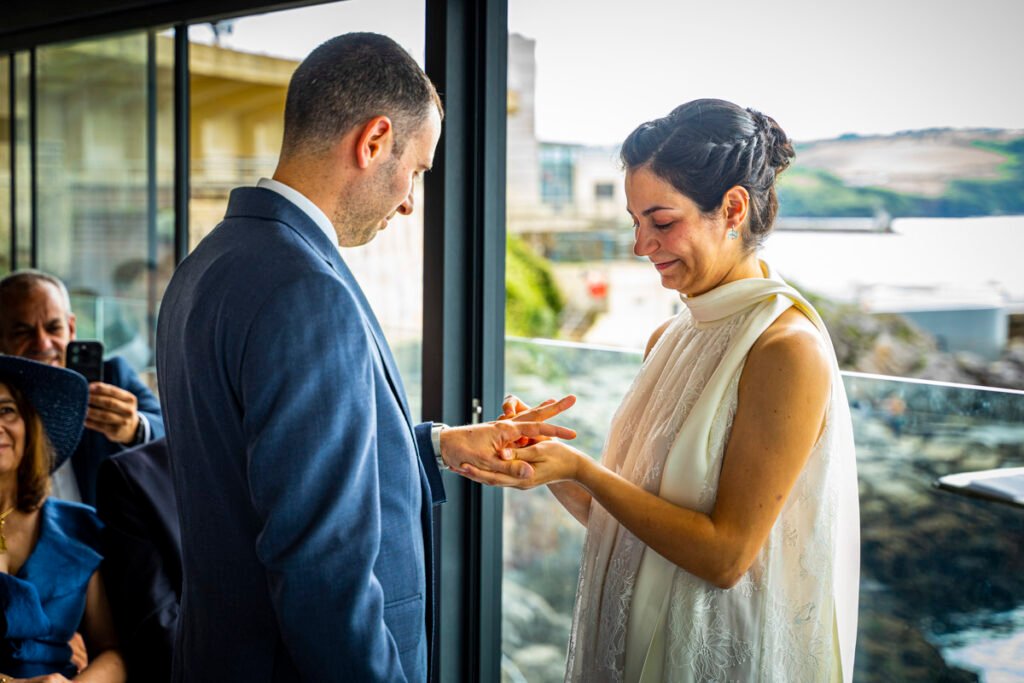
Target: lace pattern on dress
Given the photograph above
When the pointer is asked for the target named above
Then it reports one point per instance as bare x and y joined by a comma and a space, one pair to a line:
776, 623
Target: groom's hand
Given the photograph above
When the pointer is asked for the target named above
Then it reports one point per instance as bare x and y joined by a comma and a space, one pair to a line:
488, 447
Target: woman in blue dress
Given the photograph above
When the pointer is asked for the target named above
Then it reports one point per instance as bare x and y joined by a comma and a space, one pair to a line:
50, 586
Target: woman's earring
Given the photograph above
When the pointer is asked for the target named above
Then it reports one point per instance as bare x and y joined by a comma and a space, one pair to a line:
733, 233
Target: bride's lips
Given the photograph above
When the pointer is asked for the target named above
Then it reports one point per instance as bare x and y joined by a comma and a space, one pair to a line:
665, 264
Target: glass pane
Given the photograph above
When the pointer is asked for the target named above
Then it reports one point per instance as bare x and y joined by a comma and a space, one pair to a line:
161, 263
22, 161
96, 227
239, 78
542, 542
93, 203
941, 586
5, 164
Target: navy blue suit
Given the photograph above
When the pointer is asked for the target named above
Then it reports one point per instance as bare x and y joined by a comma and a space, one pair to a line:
94, 447
304, 490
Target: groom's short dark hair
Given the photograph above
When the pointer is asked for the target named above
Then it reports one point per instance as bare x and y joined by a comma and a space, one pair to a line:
347, 81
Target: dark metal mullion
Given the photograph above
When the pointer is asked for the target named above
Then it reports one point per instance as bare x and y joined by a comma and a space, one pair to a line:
463, 349
447, 387
13, 137
33, 155
476, 579
492, 76
152, 237
181, 142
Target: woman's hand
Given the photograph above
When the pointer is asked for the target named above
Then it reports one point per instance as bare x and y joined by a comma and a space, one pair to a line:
79, 655
48, 678
552, 461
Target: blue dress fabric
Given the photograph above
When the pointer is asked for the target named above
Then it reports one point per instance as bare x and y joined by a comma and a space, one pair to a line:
42, 605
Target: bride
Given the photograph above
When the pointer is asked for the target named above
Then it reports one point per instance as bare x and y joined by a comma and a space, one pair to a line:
722, 520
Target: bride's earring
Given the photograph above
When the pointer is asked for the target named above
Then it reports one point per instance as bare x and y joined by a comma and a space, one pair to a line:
733, 233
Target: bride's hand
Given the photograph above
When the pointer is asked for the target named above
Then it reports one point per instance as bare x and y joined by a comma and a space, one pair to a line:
552, 461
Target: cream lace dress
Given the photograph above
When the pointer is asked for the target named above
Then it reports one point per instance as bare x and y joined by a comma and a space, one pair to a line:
792, 617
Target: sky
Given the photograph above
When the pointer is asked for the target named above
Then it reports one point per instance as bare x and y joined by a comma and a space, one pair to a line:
821, 68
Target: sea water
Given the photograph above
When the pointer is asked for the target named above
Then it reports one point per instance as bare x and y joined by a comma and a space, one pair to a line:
952, 254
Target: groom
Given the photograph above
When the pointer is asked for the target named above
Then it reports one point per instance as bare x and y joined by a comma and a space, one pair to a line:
304, 490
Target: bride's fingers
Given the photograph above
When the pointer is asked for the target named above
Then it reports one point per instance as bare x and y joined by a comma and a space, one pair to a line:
547, 410
512, 408
530, 414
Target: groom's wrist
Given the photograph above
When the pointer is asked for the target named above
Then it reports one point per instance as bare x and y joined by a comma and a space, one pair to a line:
435, 440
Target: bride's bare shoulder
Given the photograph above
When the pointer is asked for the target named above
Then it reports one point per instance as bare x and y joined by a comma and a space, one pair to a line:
792, 340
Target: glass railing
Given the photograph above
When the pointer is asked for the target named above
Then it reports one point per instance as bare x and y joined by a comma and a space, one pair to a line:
942, 576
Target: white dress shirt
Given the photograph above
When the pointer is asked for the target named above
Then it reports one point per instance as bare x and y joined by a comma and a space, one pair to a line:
302, 201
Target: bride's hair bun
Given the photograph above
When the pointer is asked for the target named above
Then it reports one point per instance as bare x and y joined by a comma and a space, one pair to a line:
778, 146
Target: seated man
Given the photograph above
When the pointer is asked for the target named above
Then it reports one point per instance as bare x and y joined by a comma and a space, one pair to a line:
142, 559
36, 322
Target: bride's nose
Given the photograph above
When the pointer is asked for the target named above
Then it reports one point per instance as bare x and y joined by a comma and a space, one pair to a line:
644, 242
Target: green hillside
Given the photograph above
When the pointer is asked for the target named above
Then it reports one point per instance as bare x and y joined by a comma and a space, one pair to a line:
805, 191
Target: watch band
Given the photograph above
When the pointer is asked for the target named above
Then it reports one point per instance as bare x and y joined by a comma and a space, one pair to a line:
435, 440
140, 433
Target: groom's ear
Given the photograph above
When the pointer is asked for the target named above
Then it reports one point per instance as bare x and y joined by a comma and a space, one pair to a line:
375, 140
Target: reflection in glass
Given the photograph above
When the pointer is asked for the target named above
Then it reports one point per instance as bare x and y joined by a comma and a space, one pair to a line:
941, 586
5, 164
236, 100
160, 264
22, 161
94, 152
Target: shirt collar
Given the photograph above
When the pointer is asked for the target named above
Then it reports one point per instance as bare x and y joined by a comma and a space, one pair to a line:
300, 200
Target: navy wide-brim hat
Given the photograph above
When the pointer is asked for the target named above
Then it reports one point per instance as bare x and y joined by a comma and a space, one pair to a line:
59, 396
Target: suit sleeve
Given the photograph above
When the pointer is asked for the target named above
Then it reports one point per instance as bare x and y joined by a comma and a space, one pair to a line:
425, 448
149, 405
307, 387
142, 596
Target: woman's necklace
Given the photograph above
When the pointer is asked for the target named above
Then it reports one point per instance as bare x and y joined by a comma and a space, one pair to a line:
3, 520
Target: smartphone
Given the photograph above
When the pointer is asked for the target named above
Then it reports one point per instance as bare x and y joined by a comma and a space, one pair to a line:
86, 358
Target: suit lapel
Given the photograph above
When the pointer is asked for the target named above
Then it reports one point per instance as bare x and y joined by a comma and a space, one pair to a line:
261, 202
390, 367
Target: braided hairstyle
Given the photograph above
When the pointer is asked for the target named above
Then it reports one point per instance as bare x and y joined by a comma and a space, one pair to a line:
705, 147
